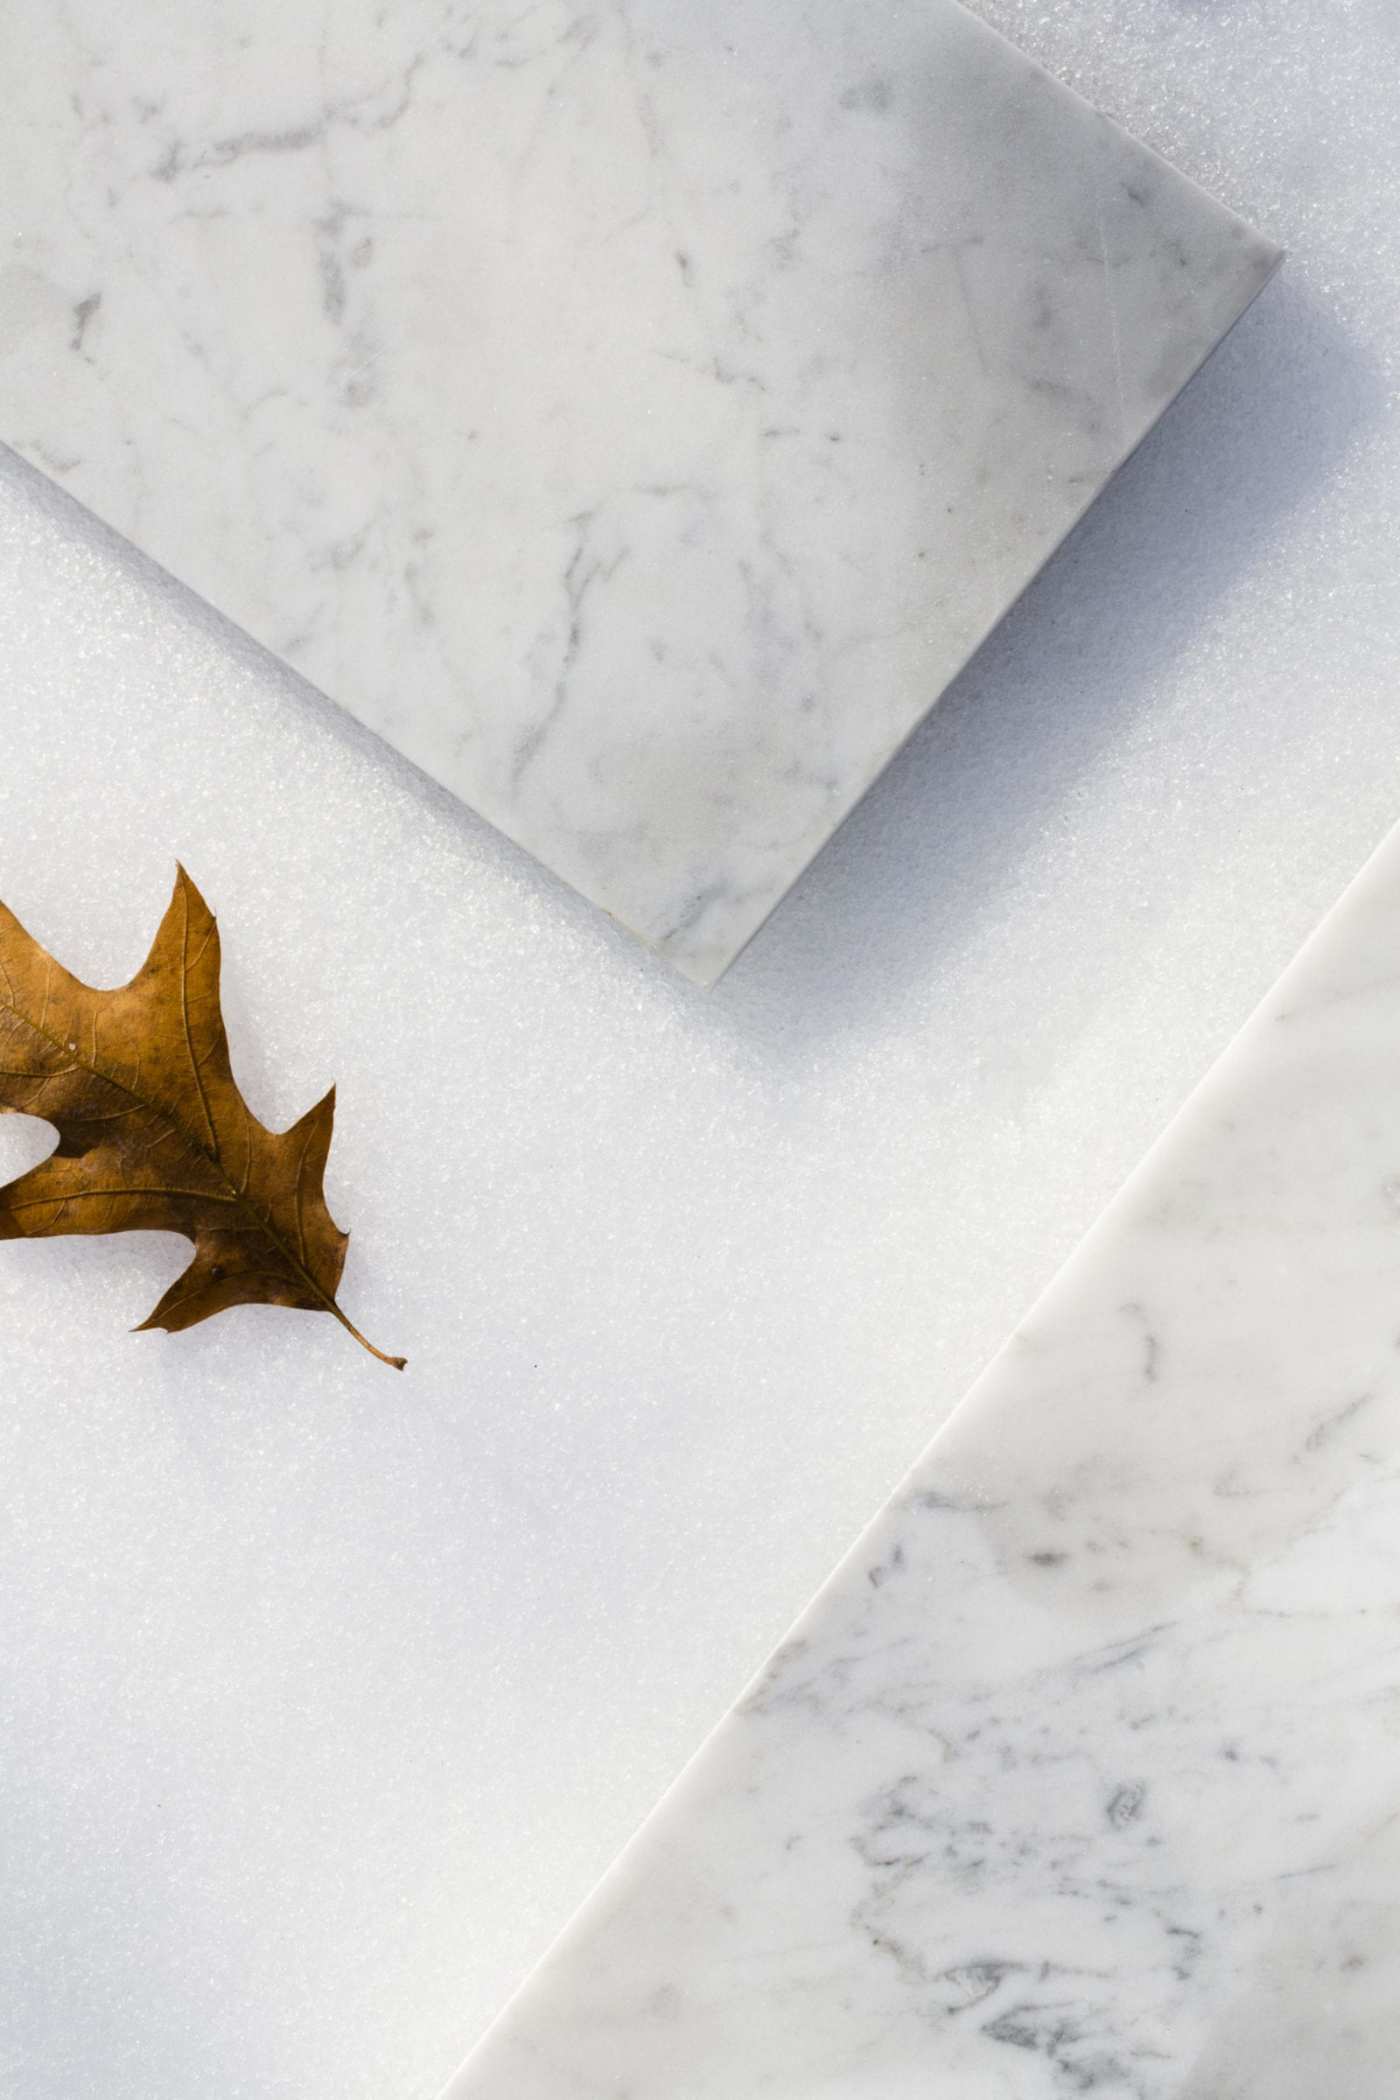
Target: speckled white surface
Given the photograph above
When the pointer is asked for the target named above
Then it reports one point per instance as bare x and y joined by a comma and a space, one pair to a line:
636, 413
292, 1645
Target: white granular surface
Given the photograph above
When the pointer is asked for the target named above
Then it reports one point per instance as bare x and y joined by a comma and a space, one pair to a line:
325, 1694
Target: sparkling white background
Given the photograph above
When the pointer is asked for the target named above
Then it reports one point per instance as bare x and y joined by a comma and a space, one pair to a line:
325, 1694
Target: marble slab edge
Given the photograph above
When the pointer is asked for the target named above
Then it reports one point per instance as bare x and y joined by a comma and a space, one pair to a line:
1082, 1774
708, 972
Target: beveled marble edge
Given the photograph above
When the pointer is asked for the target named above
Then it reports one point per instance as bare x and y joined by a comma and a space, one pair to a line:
708, 970
1079, 1775
705, 962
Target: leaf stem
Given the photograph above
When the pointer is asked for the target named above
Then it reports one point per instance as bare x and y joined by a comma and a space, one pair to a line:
395, 1363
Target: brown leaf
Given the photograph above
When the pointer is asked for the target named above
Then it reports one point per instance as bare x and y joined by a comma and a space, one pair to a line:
153, 1134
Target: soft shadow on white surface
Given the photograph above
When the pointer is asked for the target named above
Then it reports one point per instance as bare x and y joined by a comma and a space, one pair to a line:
942, 838
327, 1695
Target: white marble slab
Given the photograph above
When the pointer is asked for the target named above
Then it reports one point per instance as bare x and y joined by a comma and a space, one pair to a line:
636, 412
1081, 1775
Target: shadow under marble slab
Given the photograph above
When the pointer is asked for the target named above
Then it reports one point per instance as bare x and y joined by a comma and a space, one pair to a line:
1080, 1775
637, 415
1068, 679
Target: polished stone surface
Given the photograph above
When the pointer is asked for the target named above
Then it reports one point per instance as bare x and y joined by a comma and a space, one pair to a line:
636, 414
1080, 1775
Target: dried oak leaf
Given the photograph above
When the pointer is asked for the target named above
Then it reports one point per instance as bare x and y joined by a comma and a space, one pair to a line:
153, 1134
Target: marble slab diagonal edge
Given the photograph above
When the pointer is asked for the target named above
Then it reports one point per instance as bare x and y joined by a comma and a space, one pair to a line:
1081, 1774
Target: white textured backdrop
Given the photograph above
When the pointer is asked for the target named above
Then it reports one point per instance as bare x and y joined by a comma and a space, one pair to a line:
324, 1695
